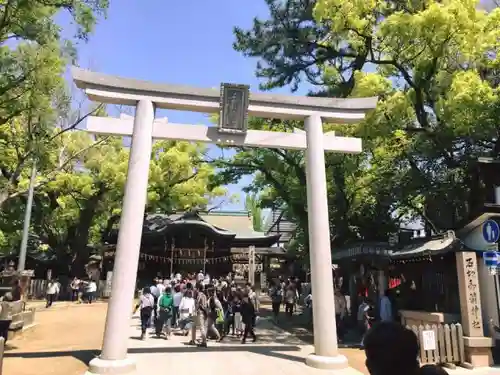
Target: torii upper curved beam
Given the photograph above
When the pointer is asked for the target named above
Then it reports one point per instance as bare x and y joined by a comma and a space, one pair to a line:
118, 90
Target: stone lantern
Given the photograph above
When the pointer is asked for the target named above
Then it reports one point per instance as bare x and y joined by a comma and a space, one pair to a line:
9, 277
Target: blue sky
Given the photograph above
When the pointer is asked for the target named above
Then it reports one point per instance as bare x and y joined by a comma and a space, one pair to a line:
183, 42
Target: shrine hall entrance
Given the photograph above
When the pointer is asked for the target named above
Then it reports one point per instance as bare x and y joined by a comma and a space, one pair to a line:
216, 243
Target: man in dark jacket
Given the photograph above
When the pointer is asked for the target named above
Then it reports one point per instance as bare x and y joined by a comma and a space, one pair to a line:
248, 317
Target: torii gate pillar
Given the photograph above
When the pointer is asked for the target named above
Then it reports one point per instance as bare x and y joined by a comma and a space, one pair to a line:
325, 354
113, 358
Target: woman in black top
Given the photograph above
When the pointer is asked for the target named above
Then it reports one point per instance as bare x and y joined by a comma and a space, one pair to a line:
248, 316
233, 306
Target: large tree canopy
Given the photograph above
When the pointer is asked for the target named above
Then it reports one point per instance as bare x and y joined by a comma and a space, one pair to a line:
80, 182
34, 96
434, 66
33, 92
83, 199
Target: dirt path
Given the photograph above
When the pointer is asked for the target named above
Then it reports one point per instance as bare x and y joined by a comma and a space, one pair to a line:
66, 338
62, 343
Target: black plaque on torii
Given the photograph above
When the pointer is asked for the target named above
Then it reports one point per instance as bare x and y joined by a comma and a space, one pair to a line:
234, 101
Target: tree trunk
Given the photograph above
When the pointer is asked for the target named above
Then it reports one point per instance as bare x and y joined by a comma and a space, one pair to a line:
79, 242
4, 197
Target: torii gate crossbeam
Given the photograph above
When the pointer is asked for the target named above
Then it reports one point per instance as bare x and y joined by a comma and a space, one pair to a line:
162, 129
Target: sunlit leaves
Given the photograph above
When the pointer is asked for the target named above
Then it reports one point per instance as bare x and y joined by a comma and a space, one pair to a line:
94, 185
469, 106
442, 112
33, 93
434, 66
34, 20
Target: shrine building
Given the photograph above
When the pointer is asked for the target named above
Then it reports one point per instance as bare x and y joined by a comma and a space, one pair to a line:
215, 242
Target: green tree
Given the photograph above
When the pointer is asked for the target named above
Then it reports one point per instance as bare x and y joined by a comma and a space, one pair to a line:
439, 60
252, 205
434, 66
33, 94
23, 142
84, 199
360, 208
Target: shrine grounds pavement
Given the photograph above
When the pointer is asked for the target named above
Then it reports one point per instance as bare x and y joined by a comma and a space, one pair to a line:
276, 351
67, 337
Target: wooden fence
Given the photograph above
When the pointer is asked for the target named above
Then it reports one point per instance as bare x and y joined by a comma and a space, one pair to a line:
441, 344
37, 289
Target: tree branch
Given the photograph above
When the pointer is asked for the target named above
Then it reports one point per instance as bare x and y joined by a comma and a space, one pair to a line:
77, 122
54, 172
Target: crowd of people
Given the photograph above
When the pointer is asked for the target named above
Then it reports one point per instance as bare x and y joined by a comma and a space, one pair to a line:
79, 290
215, 307
218, 307
288, 294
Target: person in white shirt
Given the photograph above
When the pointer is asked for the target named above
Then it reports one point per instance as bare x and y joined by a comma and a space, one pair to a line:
186, 312
154, 289
253, 297
386, 307
364, 318
206, 281
146, 304
161, 286
91, 290
59, 288
308, 302
52, 291
75, 287
155, 292
177, 297
200, 277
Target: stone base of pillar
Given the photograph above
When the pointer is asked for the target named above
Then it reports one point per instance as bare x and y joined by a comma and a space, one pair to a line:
339, 362
99, 366
478, 351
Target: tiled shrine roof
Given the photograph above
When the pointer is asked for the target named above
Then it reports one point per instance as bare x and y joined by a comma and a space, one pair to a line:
416, 248
235, 226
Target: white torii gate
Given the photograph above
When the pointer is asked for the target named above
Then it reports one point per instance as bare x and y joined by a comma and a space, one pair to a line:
143, 128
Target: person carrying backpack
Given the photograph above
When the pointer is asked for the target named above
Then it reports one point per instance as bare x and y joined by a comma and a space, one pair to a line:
165, 308
276, 294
